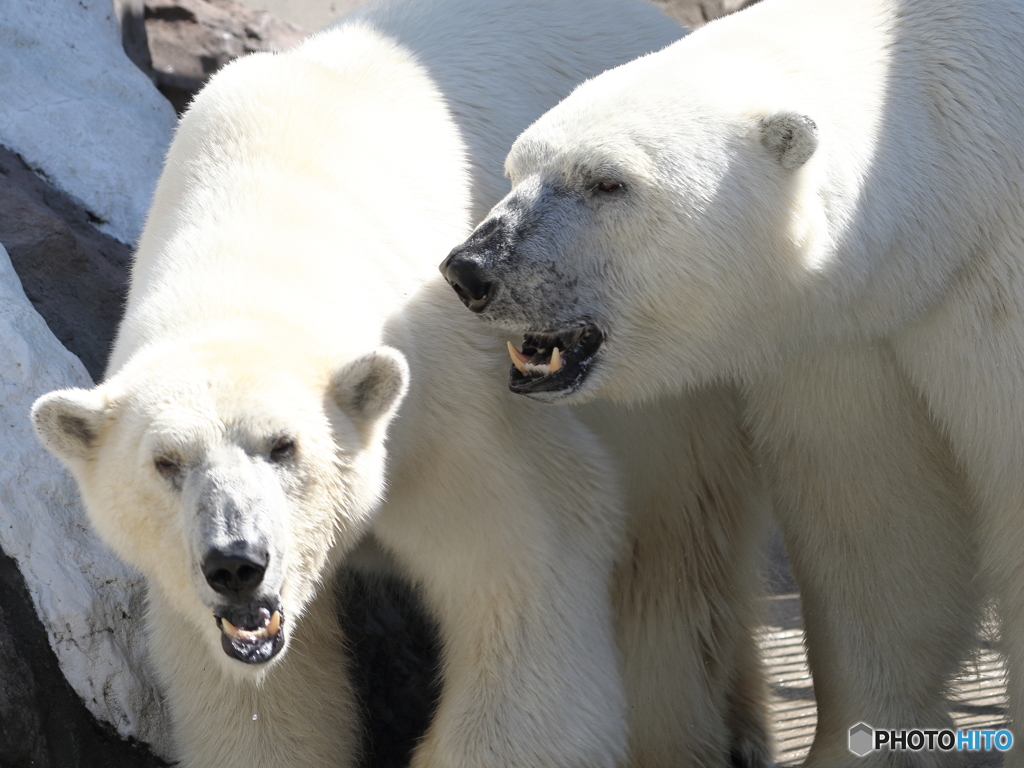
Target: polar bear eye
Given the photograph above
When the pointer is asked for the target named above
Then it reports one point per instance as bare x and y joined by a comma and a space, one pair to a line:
283, 449
166, 466
609, 186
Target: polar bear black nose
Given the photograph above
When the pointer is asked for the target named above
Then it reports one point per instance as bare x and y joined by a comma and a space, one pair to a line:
237, 572
465, 274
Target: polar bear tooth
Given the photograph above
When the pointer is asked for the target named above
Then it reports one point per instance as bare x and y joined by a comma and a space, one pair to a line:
556, 360
518, 358
274, 624
230, 629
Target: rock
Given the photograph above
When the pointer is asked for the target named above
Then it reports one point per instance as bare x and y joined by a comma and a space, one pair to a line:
131, 15
189, 40
307, 13
694, 13
89, 603
74, 275
79, 112
395, 665
43, 722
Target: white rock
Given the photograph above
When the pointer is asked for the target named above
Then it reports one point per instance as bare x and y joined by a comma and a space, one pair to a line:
78, 111
90, 603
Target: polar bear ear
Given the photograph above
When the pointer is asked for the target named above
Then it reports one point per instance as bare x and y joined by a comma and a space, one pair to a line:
371, 387
68, 422
790, 137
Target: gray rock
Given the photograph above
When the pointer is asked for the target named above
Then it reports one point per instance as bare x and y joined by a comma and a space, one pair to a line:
43, 722
89, 603
74, 275
78, 111
694, 13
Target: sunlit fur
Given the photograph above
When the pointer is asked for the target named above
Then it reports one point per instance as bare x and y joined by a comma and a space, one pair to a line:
869, 298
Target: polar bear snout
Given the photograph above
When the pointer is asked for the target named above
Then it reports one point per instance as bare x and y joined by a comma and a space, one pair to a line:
238, 571
511, 271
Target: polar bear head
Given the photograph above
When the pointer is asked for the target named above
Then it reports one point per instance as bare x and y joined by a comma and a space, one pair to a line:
654, 233
231, 476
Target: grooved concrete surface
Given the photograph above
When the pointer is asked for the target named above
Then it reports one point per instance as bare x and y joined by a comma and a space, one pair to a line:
977, 697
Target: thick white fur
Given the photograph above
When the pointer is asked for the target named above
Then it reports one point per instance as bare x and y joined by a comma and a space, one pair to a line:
867, 290
305, 203
686, 581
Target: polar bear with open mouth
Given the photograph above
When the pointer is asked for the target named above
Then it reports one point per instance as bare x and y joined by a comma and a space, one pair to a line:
823, 201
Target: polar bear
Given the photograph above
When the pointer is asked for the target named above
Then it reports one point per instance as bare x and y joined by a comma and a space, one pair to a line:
291, 374
824, 203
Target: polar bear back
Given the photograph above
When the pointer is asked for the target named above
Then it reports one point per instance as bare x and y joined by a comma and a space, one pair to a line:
232, 236
569, 41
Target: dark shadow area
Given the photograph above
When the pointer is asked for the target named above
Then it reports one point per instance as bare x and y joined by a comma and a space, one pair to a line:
43, 722
395, 664
74, 275
803, 693
778, 579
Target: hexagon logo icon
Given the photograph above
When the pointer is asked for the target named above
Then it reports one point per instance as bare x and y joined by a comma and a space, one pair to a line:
862, 738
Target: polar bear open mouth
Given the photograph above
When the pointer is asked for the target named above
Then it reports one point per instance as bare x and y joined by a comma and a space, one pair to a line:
553, 362
252, 633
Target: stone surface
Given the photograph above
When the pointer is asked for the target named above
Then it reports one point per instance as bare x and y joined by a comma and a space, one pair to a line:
313, 14
78, 111
43, 722
75, 275
90, 604
694, 13
395, 664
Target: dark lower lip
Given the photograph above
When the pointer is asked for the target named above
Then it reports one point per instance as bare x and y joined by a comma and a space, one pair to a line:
255, 651
258, 652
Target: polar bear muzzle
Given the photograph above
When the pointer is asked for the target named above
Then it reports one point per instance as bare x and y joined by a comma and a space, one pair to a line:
553, 365
493, 274
252, 633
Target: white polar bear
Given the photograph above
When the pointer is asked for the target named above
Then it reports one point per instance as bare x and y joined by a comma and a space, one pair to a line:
284, 300
824, 202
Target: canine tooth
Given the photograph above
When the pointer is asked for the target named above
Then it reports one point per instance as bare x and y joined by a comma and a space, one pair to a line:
518, 358
274, 624
230, 629
556, 360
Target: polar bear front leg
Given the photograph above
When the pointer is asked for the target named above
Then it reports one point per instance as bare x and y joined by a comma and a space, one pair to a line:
302, 713
878, 526
687, 582
530, 679
967, 357
513, 545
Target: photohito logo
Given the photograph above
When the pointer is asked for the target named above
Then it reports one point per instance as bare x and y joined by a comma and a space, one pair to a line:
865, 739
